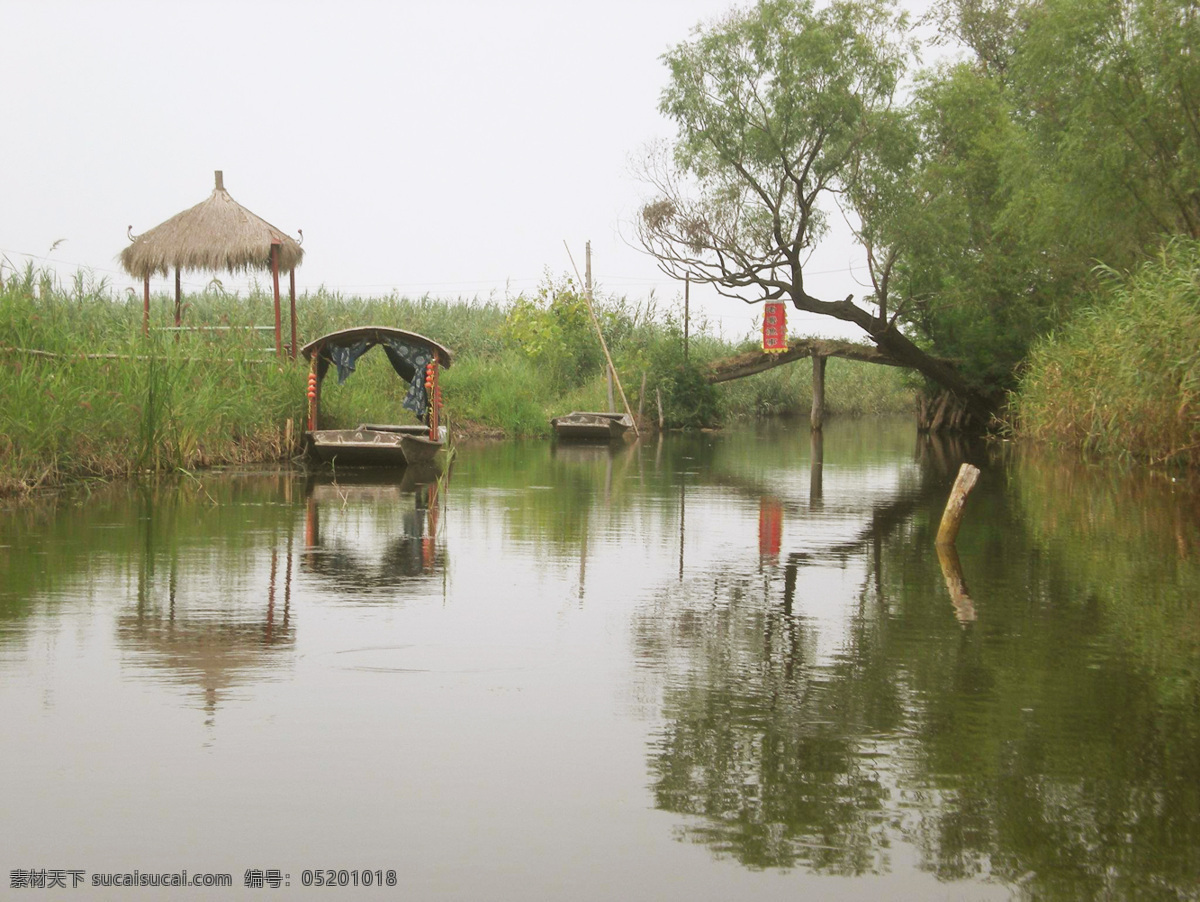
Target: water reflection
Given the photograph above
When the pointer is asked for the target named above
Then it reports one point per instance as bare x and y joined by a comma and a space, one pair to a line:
373, 530
179, 630
740, 646
1056, 749
757, 746
202, 596
211, 645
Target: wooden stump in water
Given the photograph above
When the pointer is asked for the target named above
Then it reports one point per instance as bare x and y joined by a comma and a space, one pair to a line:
952, 516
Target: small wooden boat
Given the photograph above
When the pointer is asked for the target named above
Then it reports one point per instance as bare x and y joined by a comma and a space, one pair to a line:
417, 360
592, 425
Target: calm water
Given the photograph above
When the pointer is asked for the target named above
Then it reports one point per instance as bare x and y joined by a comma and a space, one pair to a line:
702, 668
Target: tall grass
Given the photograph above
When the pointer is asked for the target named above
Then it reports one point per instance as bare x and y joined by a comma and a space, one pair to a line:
154, 403
218, 395
1123, 377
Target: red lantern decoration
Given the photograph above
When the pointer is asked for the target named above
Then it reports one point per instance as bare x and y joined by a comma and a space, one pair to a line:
774, 327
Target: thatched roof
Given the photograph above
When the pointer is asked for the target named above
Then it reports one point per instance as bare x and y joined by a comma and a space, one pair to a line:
218, 235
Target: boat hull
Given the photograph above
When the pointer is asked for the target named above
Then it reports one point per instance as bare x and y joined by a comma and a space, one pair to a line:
420, 449
365, 447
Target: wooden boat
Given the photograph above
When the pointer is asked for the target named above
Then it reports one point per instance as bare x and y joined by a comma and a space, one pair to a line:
417, 360
591, 425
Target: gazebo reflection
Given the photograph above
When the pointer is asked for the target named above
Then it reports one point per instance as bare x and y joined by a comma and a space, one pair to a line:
206, 640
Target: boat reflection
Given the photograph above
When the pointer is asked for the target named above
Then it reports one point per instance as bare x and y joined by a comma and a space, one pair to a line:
373, 530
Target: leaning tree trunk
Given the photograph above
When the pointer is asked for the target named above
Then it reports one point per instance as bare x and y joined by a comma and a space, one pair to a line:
898, 346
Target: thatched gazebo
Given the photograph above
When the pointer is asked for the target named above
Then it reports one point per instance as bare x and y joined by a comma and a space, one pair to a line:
218, 235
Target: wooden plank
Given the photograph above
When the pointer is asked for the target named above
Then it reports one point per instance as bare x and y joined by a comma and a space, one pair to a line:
50, 355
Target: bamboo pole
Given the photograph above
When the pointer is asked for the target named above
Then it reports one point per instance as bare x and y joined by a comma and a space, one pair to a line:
952, 516
687, 291
603, 344
50, 355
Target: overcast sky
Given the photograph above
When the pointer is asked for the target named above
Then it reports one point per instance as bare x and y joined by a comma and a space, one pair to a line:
440, 147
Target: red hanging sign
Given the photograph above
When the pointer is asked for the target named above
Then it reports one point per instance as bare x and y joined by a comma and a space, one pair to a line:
774, 327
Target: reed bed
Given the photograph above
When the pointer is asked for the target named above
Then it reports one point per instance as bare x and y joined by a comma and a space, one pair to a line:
1123, 378
83, 394
102, 401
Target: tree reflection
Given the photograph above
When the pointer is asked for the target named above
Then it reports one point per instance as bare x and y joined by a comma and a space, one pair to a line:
1052, 743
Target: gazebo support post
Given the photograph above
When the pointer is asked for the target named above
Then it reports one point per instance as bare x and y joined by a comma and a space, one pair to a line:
146, 306
178, 302
275, 279
292, 298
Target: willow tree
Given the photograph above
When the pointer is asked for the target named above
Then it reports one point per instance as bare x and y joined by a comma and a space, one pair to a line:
781, 111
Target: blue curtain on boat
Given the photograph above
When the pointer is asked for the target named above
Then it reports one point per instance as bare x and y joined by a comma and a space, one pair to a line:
346, 356
408, 360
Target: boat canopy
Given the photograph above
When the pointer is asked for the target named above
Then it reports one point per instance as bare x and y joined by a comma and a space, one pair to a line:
408, 352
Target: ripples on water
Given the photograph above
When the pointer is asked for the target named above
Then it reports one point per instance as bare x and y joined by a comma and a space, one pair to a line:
707, 667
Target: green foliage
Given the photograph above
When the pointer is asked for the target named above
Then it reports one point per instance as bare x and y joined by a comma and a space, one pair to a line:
1070, 138
1123, 377
772, 105
554, 328
1111, 96
983, 202
508, 392
467, 327
977, 291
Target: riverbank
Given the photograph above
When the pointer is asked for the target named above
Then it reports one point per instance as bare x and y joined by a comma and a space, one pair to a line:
1122, 378
87, 396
